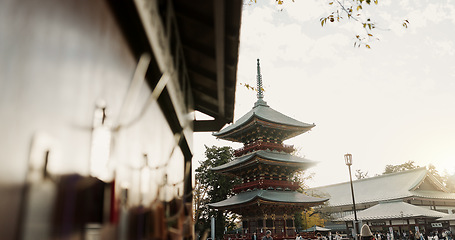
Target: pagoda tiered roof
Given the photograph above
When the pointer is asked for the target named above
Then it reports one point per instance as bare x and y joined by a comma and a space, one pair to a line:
268, 196
266, 167
265, 116
268, 157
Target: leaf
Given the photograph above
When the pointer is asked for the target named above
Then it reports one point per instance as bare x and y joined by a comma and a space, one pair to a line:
359, 7
368, 46
369, 34
331, 3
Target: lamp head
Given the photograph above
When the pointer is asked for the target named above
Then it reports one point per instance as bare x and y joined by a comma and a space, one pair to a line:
348, 159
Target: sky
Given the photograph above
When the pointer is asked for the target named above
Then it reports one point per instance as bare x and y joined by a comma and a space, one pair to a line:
389, 104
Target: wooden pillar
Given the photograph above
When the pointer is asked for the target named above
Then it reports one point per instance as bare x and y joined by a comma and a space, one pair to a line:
273, 224
285, 225
264, 223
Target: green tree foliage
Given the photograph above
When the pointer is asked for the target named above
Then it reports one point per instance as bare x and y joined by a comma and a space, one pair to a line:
213, 187
399, 168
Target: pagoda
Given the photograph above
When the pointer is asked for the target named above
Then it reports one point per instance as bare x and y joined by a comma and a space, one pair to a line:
267, 198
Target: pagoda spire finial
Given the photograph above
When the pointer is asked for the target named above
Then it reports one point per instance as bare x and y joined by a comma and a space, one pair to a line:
259, 82
260, 101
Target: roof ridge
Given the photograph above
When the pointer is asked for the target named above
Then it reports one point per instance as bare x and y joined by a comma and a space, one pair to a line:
374, 177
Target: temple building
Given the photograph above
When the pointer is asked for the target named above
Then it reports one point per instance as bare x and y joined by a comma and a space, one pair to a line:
267, 198
402, 202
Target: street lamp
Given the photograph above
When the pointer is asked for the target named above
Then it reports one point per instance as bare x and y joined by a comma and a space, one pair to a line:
348, 161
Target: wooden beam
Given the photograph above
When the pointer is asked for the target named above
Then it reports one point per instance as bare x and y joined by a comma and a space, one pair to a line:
219, 6
208, 125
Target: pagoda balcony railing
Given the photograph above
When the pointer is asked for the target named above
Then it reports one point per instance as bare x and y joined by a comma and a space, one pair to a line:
265, 184
263, 146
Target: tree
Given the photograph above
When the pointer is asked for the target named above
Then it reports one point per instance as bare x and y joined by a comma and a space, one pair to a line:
359, 174
435, 173
399, 168
308, 218
450, 183
212, 187
353, 10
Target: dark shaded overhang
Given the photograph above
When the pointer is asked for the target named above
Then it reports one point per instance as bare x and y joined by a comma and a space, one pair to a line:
203, 38
209, 32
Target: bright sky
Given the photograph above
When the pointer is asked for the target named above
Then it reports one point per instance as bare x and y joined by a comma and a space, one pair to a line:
385, 105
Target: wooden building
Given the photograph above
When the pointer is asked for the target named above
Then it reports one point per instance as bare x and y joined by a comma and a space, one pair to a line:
402, 201
267, 198
97, 107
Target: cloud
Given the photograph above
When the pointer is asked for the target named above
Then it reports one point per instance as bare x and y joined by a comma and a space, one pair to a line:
307, 10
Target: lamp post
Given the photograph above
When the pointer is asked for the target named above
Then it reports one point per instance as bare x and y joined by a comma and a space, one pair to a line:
348, 162
402, 222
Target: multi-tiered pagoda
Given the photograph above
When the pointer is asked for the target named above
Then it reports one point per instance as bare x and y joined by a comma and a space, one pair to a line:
267, 198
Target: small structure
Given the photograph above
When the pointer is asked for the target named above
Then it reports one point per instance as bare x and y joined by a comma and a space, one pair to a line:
267, 198
316, 228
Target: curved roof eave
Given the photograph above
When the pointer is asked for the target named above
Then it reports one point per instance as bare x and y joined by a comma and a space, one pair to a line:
269, 155
266, 113
393, 210
267, 195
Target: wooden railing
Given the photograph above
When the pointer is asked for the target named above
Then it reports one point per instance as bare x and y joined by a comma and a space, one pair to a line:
266, 183
247, 236
276, 236
263, 146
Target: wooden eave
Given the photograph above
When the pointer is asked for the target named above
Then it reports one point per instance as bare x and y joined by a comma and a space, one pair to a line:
209, 34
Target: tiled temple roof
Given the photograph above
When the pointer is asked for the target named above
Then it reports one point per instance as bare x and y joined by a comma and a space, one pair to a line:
263, 112
413, 183
393, 210
278, 157
268, 195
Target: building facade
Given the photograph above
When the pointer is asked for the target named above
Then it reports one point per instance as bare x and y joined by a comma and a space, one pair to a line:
405, 201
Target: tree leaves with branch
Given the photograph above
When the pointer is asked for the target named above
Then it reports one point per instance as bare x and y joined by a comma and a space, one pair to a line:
212, 187
354, 10
359, 174
400, 167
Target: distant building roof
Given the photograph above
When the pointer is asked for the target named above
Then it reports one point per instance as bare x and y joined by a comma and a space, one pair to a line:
393, 210
268, 196
278, 157
413, 183
448, 217
317, 229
